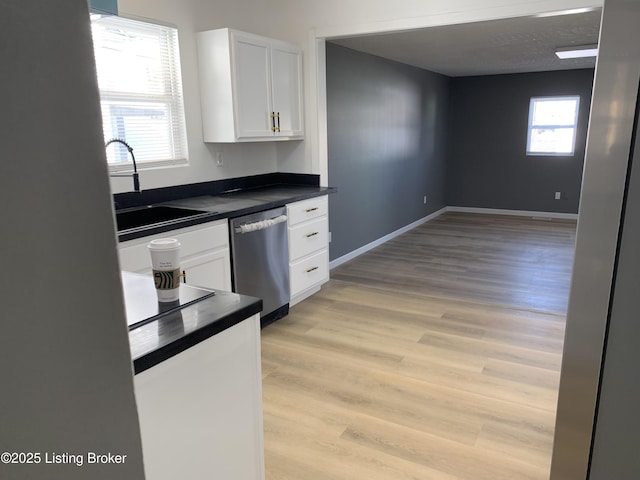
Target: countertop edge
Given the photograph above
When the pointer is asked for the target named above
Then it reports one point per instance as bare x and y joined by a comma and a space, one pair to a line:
159, 355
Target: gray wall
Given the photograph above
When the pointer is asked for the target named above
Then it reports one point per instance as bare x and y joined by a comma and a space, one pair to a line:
487, 162
67, 382
386, 141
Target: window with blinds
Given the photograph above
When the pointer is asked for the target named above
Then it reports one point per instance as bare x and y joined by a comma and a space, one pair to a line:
138, 67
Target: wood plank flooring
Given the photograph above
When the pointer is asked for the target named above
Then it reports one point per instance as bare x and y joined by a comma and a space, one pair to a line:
434, 356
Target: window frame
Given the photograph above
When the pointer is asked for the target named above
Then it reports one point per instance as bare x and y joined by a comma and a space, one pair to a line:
174, 101
574, 126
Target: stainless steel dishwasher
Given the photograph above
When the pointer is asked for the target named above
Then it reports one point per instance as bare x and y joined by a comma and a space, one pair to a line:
260, 260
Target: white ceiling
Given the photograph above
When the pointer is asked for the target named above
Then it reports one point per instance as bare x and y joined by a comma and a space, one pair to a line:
514, 45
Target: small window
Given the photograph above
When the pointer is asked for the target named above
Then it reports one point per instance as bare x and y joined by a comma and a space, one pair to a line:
138, 66
552, 125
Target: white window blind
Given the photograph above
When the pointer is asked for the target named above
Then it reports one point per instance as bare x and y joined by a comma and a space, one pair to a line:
552, 125
139, 77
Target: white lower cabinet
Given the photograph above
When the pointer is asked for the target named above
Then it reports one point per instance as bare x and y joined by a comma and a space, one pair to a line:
308, 246
200, 411
204, 254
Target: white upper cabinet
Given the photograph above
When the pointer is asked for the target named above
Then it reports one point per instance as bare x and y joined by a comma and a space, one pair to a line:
250, 86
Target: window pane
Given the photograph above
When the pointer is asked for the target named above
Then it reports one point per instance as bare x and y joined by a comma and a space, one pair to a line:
554, 112
131, 61
552, 125
146, 127
551, 140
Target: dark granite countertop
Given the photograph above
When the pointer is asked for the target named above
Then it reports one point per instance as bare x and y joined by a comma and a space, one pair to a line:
228, 204
245, 202
158, 331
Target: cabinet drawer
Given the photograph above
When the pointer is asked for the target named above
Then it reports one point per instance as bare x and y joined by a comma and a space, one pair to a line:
134, 255
308, 237
311, 271
307, 209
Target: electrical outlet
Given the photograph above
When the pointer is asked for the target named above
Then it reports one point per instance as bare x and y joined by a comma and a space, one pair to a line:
558, 195
424, 200
219, 159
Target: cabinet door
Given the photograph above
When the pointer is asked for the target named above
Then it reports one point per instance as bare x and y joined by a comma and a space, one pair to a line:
252, 93
286, 75
209, 271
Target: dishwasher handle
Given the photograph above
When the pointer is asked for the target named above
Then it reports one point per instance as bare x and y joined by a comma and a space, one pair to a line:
260, 225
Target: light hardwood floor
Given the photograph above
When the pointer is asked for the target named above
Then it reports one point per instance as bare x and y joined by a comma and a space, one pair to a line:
434, 356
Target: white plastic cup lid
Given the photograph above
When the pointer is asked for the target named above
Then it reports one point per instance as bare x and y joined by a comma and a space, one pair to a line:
164, 244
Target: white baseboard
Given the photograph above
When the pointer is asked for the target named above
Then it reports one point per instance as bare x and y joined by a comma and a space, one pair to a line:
490, 211
518, 213
345, 258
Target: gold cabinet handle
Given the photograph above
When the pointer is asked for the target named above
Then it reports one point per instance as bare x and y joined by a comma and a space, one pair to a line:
183, 275
311, 234
309, 270
311, 209
275, 116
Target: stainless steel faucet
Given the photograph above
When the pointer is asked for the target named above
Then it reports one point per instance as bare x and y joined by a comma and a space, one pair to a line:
136, 180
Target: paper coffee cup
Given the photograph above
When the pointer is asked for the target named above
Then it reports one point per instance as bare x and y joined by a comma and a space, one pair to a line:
165, 262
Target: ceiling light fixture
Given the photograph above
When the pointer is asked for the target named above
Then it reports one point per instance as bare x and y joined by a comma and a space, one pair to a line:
579, 51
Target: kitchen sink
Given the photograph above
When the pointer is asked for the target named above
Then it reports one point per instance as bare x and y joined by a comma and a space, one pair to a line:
150, 215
